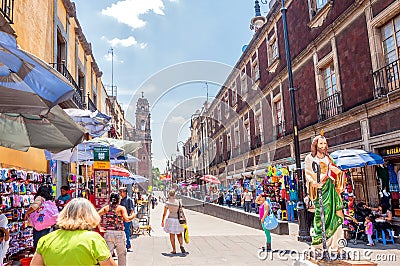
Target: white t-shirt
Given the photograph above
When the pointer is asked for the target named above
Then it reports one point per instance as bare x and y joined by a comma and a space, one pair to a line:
3, 250
247, 196
5, 244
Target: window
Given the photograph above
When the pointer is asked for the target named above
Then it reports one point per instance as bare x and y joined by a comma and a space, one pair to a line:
237, 139
226, 105
317, 5
278, 118
228, 146
318, 10
142, 125
221, 150
272, 49
234, 94
219, 116
259, 129
391, 40
243, 82
329, 84
330, 99
255, 71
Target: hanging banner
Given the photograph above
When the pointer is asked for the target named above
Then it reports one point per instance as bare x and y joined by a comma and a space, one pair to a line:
101, 168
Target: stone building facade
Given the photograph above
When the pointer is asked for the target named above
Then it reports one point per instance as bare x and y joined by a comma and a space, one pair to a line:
345, 62
141, 132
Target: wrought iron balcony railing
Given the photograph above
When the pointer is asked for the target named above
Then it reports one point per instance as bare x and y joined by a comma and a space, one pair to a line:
78, 97
92, 106
330, 106
386, 79
7, 10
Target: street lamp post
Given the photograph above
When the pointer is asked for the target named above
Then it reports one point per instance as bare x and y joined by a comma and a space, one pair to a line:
202, 145
304, 232
184, 157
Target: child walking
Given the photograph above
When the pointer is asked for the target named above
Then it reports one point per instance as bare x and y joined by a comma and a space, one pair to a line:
368, 230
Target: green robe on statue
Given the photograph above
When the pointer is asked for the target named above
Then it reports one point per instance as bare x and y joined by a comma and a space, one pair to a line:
332, 203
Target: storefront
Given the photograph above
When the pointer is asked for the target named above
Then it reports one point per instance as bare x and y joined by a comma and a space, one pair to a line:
21, 174
389, 177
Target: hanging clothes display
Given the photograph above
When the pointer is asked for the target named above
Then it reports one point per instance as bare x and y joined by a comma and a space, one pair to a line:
393, 183
17, 190
383, 175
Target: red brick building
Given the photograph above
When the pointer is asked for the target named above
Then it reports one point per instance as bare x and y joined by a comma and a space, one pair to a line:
345, 61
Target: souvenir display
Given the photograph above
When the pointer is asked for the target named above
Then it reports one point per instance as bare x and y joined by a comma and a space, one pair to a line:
17, 190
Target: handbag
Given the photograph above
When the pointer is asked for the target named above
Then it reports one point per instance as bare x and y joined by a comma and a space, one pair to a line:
270, 221
181, 215
45, 216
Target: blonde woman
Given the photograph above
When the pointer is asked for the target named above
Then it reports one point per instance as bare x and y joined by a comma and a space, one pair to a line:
74, 243
172, 225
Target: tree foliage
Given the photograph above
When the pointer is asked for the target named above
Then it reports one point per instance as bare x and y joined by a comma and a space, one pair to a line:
156, 178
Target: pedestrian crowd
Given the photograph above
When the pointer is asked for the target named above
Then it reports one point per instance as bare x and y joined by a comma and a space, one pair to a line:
70, 231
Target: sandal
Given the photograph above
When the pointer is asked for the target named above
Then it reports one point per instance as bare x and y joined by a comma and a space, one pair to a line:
183, 249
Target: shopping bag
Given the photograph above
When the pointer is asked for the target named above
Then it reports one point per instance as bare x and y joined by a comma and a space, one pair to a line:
45, 216
186, 233
270, 222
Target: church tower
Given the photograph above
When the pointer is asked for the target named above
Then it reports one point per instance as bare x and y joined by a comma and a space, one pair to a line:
143, 134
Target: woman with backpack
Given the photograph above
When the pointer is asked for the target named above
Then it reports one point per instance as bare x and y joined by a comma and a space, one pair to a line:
75, 243
43, 194
112, 218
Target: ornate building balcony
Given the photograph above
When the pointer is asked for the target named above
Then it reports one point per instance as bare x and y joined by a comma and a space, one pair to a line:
330, 106
78, 97
386, 79
7, 10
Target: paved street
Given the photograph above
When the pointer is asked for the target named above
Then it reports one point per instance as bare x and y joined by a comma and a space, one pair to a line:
217, 242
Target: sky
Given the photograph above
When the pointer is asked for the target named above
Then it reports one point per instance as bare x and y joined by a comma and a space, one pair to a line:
174, 51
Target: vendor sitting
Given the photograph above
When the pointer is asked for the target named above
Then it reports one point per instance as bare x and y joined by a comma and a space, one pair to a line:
64, 198
383, 217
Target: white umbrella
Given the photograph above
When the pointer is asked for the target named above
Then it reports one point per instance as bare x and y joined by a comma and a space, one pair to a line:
96, 123
82, 152
133, 179
124, 159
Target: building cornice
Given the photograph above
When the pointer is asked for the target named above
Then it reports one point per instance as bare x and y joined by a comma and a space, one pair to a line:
87, 47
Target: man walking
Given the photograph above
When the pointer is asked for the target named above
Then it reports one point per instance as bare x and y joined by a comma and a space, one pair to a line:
127, 202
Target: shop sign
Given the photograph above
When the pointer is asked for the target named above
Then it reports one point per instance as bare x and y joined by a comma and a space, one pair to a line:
101, 187
389, 151
101, 158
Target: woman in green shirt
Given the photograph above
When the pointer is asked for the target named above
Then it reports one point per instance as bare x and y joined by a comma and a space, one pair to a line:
74, 243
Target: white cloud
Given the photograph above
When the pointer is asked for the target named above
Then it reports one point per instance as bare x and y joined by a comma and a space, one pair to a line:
129, 11
130, 41
123, 42
108, 57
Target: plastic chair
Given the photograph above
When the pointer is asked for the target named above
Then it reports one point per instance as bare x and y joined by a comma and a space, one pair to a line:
383, 239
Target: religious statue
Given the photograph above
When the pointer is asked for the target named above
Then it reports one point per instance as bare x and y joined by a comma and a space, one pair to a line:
332, 184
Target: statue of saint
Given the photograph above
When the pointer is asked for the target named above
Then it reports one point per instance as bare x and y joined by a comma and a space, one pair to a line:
332, 184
